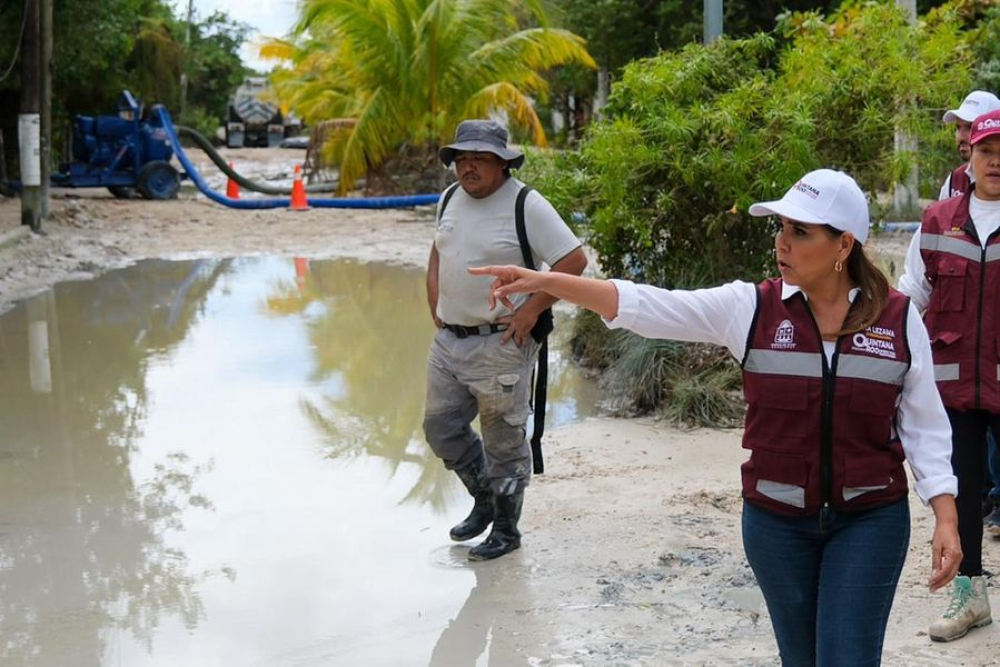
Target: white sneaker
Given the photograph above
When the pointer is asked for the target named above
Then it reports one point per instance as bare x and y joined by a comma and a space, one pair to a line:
969, 608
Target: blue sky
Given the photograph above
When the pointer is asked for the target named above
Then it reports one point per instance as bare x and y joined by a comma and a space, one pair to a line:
268, 18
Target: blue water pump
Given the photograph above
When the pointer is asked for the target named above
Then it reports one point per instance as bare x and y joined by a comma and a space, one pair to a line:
122, 153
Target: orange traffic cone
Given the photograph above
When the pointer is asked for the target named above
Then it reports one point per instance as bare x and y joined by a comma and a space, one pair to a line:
232, 187
299, 202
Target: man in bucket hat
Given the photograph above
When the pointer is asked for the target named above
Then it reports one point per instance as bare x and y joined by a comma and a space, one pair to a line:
481, 360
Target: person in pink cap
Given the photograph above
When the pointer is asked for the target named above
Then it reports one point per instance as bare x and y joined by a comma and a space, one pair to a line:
952, 271
958, 182
839, 383
975, 104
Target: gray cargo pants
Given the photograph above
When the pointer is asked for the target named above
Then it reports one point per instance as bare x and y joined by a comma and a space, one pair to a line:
478, 375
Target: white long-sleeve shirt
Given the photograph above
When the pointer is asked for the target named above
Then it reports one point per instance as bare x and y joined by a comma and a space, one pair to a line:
723, 316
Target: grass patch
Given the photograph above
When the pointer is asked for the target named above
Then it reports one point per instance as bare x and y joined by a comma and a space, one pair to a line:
692, 384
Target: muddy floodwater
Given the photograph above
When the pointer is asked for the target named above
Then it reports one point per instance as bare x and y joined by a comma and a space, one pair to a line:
220, 462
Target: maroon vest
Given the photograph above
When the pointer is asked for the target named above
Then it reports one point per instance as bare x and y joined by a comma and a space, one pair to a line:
963, 316
959, 182
822, 434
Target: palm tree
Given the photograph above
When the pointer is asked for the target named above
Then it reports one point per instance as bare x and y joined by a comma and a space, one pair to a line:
408, 71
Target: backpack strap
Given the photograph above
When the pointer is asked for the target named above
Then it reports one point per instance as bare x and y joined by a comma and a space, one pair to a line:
545, 320
446, 197
522, 234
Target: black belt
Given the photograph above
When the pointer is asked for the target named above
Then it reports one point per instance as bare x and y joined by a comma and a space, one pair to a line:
481, 330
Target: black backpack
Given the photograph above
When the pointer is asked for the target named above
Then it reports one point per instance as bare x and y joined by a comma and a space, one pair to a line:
543, 327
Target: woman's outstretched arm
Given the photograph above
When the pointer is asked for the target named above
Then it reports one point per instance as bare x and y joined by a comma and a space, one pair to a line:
599, 296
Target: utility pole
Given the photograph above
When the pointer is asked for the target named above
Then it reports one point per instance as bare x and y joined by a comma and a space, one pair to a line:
29, 119
905, 195
713, 21
187, 50
45, 20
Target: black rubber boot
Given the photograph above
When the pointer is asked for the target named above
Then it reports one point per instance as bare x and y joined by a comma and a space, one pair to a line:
479, 519
504, 537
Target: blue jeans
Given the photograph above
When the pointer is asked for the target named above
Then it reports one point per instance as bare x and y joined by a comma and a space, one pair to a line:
828, 580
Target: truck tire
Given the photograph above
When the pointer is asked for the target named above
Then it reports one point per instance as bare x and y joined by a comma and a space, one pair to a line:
158, 180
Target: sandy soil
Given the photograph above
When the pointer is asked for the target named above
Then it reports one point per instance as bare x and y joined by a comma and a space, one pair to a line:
632, 553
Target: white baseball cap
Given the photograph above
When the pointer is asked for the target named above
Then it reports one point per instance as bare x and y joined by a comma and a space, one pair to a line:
974, 105
823, 197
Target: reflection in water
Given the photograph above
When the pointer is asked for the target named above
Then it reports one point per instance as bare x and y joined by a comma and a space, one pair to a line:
370, 333
480, 627
175, 421
370, 329
81, 542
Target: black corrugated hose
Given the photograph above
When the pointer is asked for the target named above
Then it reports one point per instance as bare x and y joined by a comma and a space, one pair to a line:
206, 145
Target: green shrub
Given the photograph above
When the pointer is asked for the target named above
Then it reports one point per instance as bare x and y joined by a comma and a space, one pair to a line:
690, 139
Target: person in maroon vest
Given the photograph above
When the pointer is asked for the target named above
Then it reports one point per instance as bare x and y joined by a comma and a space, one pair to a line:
838, 380
960, 181
975, 104
952, 271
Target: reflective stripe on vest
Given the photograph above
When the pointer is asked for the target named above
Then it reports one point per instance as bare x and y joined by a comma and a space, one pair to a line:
802, 364
954, 246
950, 245
876, 370
946, 372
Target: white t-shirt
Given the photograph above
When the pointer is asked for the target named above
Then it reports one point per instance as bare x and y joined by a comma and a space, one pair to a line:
481, 232
913, 283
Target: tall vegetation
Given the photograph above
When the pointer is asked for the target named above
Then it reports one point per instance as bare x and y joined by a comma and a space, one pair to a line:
408, 71
692, 138
103, 46
621, 31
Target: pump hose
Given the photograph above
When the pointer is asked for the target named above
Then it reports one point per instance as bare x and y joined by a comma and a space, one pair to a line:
160, 112
206, 145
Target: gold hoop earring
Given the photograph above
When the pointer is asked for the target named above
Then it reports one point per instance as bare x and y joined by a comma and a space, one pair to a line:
839, 266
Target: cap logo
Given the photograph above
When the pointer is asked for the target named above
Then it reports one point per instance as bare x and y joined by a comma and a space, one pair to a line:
972, 103
806, 189
988, 124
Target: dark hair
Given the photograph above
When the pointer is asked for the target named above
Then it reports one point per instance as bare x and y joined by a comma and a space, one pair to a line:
874, 286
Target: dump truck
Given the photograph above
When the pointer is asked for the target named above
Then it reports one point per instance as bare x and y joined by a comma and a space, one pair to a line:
254, 118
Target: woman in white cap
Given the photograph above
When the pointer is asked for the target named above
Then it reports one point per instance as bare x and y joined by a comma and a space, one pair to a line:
839, 385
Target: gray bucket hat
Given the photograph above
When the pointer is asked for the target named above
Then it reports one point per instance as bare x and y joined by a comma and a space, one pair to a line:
481, 136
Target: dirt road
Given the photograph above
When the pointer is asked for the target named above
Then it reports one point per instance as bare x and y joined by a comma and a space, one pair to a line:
632, 553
